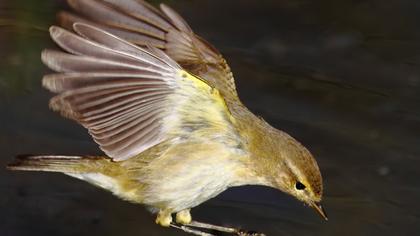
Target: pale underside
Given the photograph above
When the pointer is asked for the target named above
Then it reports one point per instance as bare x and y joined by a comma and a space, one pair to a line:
169, 182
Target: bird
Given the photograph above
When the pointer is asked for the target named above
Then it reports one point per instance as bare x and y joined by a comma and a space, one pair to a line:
161, 103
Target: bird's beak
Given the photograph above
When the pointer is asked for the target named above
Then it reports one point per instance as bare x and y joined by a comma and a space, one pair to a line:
319, 209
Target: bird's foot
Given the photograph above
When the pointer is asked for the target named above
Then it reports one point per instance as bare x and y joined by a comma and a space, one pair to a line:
183, 217
164, 218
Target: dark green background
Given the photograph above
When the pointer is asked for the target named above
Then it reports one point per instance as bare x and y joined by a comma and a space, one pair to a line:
343, 77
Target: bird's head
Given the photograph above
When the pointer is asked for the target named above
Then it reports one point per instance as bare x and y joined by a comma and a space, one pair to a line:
301, 176
303, 179
291, 168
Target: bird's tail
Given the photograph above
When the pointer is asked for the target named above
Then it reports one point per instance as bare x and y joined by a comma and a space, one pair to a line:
64, 164
99, 171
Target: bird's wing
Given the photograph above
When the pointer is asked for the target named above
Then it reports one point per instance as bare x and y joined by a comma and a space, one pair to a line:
129, 98
140, 23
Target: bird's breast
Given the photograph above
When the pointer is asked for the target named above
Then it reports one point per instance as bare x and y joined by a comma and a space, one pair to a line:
189, 175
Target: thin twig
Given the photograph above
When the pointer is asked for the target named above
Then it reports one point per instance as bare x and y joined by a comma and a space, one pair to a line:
230, 230
213, 227
191, 231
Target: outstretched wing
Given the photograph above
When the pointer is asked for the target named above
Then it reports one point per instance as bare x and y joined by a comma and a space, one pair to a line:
140, 23
129, 98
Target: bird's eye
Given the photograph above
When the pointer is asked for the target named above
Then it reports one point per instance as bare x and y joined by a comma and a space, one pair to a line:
300, 186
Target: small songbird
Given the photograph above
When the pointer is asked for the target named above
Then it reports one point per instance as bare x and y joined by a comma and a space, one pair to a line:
161, 103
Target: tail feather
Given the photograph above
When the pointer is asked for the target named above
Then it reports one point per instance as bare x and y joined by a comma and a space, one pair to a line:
65, 164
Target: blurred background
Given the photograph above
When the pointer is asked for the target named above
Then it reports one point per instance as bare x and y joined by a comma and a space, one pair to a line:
343, 77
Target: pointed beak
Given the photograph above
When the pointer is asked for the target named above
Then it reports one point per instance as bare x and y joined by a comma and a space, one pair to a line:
320, 210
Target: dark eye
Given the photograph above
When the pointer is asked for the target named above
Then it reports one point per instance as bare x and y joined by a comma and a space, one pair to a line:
300, 186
